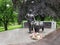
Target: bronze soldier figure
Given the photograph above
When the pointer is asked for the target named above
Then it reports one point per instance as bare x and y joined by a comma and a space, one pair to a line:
30, 18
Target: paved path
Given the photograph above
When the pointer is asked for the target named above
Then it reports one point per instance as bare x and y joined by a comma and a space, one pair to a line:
19, 37
51, 39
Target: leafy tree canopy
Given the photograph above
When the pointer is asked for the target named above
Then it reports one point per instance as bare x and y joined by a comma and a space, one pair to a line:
6, 12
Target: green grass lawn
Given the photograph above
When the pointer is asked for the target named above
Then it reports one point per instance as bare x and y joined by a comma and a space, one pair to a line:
11, 27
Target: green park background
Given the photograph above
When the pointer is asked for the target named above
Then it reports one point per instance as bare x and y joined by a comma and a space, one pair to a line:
9, 16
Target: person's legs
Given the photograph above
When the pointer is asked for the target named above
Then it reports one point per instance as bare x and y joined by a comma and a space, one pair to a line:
30, 27
36, 29
42, 28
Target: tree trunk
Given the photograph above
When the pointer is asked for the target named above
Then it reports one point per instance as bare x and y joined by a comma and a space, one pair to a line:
5, 26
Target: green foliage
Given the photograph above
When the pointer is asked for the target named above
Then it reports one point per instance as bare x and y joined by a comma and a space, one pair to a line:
37, 18
48, 18
15, 14
6, 12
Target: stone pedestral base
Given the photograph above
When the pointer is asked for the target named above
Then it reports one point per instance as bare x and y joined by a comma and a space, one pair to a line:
47, 24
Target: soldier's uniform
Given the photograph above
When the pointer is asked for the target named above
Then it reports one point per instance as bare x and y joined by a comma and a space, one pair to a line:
30, 18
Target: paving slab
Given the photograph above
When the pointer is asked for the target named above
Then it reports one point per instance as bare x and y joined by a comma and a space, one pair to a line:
19, 36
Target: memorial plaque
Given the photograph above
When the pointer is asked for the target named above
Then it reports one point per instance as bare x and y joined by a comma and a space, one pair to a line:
47, 24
